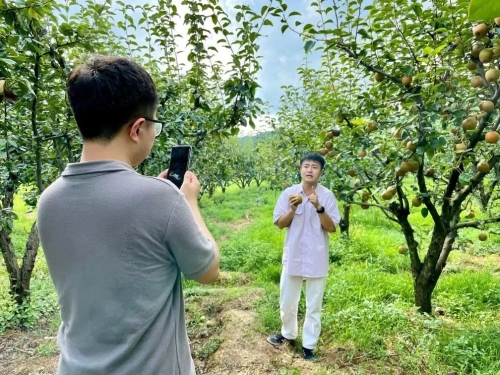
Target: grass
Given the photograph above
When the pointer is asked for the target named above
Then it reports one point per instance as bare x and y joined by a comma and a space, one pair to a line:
368, 320
368, 305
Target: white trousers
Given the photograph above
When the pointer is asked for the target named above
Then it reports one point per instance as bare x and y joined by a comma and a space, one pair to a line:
290, 287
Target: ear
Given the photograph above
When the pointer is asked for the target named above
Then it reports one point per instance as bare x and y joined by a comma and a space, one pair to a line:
135, 129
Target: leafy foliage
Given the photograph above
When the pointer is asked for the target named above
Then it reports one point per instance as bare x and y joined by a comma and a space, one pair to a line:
396, 82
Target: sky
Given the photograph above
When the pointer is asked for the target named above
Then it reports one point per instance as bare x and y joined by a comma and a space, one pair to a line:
281, 53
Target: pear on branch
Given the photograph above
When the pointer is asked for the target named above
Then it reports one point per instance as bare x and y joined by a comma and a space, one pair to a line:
487, 106
476, 82
492, 75
481, 30
492, 137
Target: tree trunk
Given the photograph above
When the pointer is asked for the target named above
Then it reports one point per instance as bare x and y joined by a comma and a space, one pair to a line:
344, 222
7, 247
69, 148
60, 163
423, 293
30, 253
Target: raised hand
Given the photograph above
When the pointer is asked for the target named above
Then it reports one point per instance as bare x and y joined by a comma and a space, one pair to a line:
313, 198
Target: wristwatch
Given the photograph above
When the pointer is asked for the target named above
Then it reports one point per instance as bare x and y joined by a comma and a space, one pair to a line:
321, 210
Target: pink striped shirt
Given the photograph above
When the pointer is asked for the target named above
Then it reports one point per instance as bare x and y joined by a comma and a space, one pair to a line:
305, 250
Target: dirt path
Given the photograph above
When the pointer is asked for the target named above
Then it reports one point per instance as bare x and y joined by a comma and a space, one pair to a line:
223, 330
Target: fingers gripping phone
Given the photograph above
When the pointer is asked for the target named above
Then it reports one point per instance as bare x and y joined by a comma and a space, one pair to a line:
180, 158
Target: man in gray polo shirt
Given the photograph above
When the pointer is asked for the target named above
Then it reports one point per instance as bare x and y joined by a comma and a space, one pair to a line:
116, 242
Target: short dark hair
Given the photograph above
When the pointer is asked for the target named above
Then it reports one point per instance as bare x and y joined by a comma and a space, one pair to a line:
106, 92
311, 156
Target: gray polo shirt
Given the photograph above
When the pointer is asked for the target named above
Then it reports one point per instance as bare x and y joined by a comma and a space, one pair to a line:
116, 243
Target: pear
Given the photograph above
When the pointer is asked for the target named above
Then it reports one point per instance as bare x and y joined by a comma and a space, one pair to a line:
406, 80
486, 55
471, 65
492, 75
492, 137
483, 167
476, 49
487, 106
405, 166
481, 30
413, 165
411, 146
460, 147
476, 82
365, 196
379, 77
470, 123
416, 202
372, 126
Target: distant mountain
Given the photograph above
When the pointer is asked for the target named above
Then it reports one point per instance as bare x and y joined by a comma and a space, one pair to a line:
256, 137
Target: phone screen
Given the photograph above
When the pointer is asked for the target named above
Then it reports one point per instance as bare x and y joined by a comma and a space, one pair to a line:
179, 164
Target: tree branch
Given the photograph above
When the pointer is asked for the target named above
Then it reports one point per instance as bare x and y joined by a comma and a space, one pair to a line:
425, 196
373, 205
476, 223
445, 251
473, 184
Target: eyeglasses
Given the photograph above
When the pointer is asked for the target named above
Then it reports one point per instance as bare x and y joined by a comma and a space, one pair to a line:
158, 125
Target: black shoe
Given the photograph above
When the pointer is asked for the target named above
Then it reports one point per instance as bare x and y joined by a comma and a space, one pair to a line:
276, 339
308, 354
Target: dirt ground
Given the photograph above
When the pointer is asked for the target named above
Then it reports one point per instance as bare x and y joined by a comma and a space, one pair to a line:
223, 329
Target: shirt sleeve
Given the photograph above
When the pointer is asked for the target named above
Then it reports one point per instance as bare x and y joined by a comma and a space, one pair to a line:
193, 252
282, 207
332, 209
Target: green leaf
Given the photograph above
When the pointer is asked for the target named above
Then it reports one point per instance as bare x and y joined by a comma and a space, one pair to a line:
294, 14
484, 9
309, 44
439, 49
424, 212
268, 22
283, 28
32, 13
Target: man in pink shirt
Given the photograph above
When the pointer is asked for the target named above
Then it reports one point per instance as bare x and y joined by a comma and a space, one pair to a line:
309, 211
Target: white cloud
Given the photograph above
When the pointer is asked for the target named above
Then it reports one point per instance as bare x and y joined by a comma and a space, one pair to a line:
262, 124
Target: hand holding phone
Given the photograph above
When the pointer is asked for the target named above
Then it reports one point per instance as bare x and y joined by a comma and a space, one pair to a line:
191, 187
180, 158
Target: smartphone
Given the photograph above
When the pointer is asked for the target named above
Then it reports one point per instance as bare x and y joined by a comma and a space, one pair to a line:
180, 157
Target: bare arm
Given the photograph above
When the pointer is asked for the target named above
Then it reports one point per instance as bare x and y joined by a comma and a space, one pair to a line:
191, 189
213, 272
327, 222
286, 219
